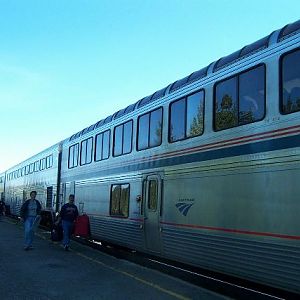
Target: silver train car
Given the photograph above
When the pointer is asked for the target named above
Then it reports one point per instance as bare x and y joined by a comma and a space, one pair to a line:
40, 173
204, 171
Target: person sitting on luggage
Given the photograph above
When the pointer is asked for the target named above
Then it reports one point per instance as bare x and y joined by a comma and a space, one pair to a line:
67, 216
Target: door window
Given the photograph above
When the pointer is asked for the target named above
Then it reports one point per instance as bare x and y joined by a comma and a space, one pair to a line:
152, 196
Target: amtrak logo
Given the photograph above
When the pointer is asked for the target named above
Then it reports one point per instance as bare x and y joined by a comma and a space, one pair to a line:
184, 207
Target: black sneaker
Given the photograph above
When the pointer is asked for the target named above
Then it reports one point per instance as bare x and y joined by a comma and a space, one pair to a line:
66, 248
26, 248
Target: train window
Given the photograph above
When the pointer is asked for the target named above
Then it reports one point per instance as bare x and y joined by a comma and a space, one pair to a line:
127, 137
240, 99
152, 196
118, 140
86, 151
194, 115
49, 161
226, 115
36, 166
150, 130
23, 171
27, 170
290, 83
155, 128
123, 138
43, 163
252, 95
186, 117
73, 156
31, 168
102, 145
143, 132
119, 200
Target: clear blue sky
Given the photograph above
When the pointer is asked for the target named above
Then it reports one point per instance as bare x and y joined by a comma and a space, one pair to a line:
64, 65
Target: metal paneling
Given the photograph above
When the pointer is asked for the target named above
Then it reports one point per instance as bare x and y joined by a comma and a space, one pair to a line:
122, 232
267, 262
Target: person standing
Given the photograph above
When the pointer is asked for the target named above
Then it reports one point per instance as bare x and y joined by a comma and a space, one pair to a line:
30, 215
2, 209
67, 216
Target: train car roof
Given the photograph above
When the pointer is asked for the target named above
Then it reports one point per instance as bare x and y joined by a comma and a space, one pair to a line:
285, 32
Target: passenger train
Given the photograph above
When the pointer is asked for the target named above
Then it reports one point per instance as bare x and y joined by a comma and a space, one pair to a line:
204, 171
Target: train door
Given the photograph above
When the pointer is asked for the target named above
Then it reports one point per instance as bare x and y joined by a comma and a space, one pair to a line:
152, 202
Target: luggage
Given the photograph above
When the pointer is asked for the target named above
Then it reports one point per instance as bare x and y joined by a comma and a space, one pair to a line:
57, 233
82, 226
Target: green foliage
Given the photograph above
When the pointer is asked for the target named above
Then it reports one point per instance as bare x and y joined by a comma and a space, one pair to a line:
197, 123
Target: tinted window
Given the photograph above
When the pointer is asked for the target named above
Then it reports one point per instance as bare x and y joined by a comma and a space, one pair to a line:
150, 129
143, 132
102, 145
226, 109
27, 170
195, 114
187, 117
290, 83
118, 140
152, 197
177, 120
36, 165
252, 96
49, 161
43, 163
240, 100
155, 128
31, 168
98, 146
106, 144
123, 138
119, 200
73, 156
86, 151
127, 137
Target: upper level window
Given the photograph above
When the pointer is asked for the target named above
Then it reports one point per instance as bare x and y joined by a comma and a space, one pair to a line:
27, 170
102, 145
43, 163
73, 156
119, 200
49, 161
31, 168
123, 138
187, 117
290, 82
86, 151
150, 129
36, 166
240, 99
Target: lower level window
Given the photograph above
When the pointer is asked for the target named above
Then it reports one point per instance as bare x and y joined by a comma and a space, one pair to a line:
119, 200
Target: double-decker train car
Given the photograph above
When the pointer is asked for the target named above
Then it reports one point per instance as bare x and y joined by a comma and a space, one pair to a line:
204, 171
39, 173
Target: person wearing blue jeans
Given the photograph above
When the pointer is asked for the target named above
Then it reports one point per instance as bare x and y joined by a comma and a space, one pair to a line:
30, 214
67, 216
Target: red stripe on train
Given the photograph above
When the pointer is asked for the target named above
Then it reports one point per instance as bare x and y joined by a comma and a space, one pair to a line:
269, 234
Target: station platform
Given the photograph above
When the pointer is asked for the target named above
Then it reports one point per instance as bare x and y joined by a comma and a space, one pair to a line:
49, 272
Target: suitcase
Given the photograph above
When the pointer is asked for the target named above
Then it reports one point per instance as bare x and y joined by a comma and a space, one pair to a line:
82, 226
57, 233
